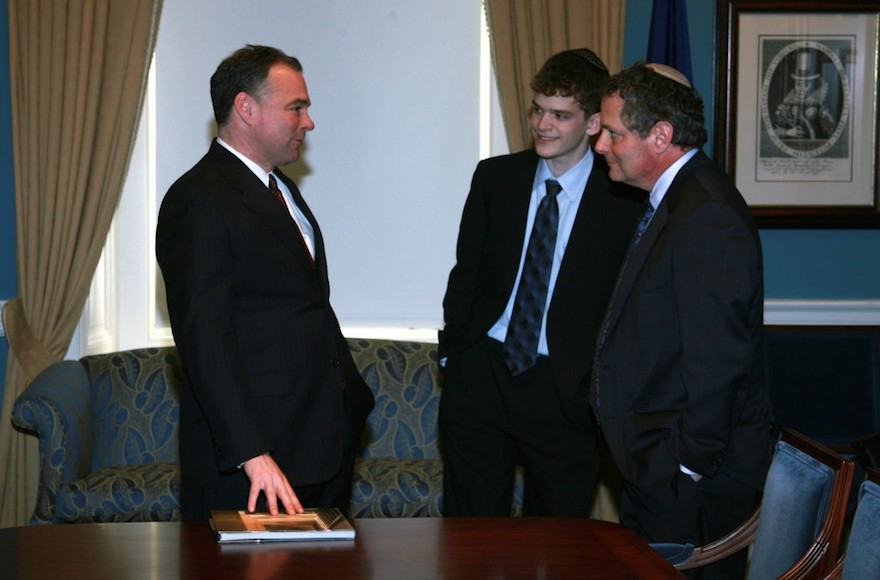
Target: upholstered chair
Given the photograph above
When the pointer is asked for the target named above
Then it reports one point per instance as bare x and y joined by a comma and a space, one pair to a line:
797, 529
107, 426
862, 558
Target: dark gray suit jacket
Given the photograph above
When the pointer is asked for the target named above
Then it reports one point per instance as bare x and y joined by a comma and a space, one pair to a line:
680, 372
267, 368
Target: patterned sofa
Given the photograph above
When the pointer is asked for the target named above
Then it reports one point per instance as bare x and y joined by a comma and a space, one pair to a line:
107, 426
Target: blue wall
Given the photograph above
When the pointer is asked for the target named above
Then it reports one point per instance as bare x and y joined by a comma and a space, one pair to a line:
7, 197
799, 264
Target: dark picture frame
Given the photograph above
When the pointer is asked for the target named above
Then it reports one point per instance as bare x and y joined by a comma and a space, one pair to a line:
796, 115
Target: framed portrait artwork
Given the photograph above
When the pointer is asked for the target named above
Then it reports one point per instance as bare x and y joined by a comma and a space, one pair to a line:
796, 111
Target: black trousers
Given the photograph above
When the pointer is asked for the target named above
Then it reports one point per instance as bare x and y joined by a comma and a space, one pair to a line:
490, 421
706, 510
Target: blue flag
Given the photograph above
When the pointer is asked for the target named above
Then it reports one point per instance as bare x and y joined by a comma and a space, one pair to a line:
668, 42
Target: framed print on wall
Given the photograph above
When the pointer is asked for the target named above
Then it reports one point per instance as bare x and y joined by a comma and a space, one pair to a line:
796, 112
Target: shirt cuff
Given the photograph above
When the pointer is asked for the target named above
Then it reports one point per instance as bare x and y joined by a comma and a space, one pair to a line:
687, 471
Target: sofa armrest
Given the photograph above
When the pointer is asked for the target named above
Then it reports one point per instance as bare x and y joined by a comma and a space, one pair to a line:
56, 407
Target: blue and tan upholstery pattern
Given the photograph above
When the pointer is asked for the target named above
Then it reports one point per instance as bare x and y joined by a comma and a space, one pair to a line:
399, 472
107, 426
108, 437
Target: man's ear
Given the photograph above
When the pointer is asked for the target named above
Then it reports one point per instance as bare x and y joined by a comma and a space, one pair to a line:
244, 107
593, 125
661, 135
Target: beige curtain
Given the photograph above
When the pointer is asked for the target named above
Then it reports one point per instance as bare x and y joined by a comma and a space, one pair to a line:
78, 71
525, 33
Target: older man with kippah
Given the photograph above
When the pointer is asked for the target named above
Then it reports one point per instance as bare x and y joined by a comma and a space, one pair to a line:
677, 382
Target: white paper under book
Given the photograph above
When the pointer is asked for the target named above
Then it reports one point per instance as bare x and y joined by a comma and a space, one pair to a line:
311, 525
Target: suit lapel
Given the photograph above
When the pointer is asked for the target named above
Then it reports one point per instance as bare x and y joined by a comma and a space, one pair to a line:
586, 225
639, 255
513, 212
320, 257
633, 264
257, 198
254, 195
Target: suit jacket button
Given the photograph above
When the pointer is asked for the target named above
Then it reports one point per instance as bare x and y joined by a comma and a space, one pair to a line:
335, 362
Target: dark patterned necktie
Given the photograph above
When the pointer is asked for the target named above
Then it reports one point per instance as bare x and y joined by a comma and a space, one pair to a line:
521, 343
643, 223
276, 191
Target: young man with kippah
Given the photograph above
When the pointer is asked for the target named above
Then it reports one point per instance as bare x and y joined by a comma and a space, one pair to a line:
541, 240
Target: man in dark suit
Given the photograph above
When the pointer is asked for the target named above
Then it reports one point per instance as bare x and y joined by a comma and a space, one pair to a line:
509, 399
272, 403
678, 386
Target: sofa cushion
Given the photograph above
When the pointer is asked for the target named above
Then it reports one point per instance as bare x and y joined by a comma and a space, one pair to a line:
135, 406
126, 493
396, 488
403, 378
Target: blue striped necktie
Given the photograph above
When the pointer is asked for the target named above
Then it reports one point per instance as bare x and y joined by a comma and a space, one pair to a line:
521, 343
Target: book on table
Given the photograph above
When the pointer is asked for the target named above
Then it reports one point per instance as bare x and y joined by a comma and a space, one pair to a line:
313, 524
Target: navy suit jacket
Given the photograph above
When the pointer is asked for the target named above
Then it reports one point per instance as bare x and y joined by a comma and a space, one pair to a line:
680, 371
267, 368
491, 238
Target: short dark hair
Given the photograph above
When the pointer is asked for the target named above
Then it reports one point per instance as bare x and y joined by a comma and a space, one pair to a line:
245, 70
577, 73
649, 97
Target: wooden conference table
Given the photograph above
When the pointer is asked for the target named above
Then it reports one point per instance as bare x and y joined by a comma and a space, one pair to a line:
410, 548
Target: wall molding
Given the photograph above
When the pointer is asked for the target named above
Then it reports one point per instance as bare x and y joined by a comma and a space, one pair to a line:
783, 312
796, 312
822, 312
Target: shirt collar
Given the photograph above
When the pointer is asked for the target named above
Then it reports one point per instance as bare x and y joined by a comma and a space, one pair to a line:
572, 181
256, 169
665, 180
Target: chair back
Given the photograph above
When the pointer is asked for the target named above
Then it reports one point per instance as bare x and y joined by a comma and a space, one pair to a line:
862, 558
802, 511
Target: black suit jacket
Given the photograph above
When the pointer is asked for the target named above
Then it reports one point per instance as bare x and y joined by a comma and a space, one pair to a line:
491, 238
267, 368
680, 371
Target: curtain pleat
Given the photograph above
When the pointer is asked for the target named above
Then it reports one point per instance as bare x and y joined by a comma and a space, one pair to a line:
78, 72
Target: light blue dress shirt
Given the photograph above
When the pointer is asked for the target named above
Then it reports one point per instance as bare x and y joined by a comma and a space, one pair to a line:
573, 183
